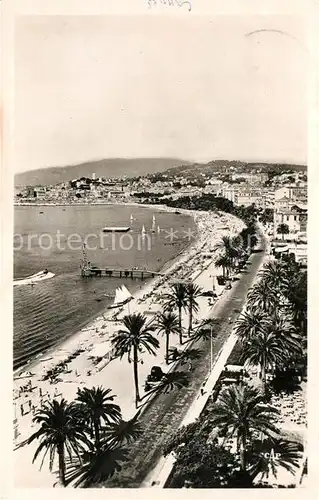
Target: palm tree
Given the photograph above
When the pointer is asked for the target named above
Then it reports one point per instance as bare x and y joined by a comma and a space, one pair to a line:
268, 349
135, 336
96, 465
96, 407
263, 298
274, 273
265, 457
192, 293
250, 324
285, 331
240, 411
296, 294
283, 229
61, 431
225, 263
177, 298
226, 244
167, 323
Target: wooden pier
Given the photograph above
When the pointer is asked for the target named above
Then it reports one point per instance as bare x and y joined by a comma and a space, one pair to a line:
90, 272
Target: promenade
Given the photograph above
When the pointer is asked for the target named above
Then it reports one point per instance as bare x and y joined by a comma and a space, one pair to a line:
166, 412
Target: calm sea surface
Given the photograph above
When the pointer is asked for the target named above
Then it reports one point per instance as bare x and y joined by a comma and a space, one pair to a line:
53, 309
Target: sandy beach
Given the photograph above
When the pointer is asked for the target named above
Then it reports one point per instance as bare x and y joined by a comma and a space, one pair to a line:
92, 344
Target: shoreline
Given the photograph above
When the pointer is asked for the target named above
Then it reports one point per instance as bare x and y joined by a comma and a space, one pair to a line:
91, 321
73, 340
94, 365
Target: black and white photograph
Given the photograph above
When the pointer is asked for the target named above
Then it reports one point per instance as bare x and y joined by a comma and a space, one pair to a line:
159, 273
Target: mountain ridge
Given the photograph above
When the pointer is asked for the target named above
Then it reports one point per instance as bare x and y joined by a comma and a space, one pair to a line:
108, 167
131, 167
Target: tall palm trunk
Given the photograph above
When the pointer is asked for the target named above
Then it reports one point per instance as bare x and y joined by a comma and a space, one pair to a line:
96, 425
135, 361
180, 324
167, 346
60, 450
190, 311
263, 376
242, 455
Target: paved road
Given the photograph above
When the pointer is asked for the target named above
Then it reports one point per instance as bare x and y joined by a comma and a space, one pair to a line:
165, 413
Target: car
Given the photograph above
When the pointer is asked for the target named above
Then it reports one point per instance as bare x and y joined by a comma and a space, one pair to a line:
154, 377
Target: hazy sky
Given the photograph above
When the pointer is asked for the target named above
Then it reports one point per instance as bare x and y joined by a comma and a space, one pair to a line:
191, 87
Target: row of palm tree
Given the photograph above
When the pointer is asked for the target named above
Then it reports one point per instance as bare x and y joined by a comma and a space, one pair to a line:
240, 412
271, 328
88, 435
182, 297
234, 250
137, 334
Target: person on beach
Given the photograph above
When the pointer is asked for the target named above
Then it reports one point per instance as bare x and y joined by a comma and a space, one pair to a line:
190, 366
30, 404
21, 410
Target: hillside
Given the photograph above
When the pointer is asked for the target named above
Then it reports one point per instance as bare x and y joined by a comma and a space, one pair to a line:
113, 167
220, 166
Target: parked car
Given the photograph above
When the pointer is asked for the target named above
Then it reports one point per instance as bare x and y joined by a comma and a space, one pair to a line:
154, 377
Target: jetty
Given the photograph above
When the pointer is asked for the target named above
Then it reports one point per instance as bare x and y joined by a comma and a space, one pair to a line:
89, 270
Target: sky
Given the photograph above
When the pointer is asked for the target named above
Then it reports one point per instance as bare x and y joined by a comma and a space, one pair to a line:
196, 88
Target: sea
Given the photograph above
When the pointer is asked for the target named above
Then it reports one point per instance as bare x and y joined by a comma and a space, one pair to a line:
51, 237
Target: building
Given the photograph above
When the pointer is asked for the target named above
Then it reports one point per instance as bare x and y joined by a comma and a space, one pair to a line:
251, 178
292, 192
229, 192
247, 199
40, 192
295, 217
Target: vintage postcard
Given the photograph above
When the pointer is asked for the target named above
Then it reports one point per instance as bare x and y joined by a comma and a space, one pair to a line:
155, 194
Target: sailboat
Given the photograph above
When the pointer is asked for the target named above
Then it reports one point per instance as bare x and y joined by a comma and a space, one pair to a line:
158, 229
131, 218
143, 230
153, 224
122, 296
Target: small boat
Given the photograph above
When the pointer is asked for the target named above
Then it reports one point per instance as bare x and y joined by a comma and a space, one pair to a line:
31, 280
122, 296
116, 229
153, 224
41, 212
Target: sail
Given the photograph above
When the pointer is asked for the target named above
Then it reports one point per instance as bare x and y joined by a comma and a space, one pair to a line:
118, 296
125, 293
153, 224
121, 295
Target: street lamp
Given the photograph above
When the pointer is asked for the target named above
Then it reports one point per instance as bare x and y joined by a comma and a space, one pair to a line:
211, 348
